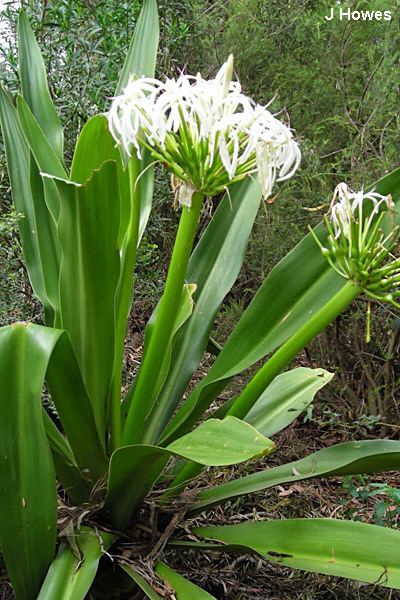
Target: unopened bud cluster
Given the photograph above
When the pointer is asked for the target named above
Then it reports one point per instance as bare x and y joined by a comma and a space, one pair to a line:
361, 237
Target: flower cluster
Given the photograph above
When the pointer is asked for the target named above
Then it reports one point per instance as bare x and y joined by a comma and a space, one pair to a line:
207, 132
361, 236
347, 208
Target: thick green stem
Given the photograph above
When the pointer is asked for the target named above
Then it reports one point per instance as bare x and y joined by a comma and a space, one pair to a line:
289, 350
278, 361
124, 300
146, 385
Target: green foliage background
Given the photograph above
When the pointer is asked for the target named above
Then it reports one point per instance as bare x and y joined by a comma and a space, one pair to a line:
336, 80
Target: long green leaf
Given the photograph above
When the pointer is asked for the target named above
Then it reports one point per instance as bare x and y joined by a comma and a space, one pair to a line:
71, 478
74, 407
293, 294
226, 442
88, 231
183, 588
286, 398
213, 443
36, 226
94, 147
57, 441
46, 158
45, 233
35, 90
184, 313
214, 267
72, 572
144, 189
141, 582
389, 184
27, 493
66, 468
142, 53
129, 483
349, 458
343, 548
141, 61
83, 448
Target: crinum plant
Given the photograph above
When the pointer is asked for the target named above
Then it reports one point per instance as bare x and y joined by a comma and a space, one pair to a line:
102, 454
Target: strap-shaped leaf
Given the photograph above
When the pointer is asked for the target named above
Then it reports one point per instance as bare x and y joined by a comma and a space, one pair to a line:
292, 294
45, 235
66, 467
57, 441
288, 298
183, 588
349, 458
36, 226
388, 184
141, 61
144, 188
88, 230
83, 447
129, 483
27, 493
71, 478
184, 313
142, 53
215, 442
286, 398
45, 156
343, 548
95, 146
222, 442
140, 582
73, 405
214, 267
35, 90
72, 572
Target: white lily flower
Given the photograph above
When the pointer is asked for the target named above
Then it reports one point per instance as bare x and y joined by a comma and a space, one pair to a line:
348, 206
359, 247
207, 132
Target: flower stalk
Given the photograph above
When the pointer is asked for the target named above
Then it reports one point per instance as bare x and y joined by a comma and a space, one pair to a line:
290, 349
145, 391
124, 300
264, 377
